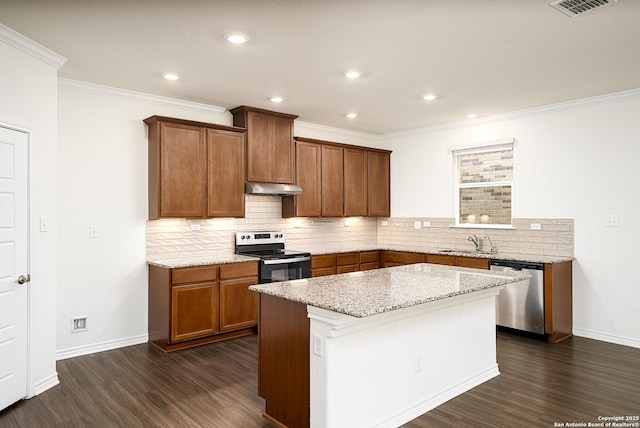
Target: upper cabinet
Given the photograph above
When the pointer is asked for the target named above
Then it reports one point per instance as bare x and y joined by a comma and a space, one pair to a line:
270, 144
379, 168
339, 180
196, 170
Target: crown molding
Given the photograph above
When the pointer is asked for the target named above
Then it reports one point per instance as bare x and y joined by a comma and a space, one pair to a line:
134, 95
36, 50
338, 130
519, 114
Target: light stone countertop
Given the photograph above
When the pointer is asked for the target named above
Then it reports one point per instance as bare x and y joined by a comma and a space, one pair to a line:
190, 260
363, 294
531, 258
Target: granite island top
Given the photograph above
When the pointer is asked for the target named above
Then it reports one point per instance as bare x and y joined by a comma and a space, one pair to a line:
367, 293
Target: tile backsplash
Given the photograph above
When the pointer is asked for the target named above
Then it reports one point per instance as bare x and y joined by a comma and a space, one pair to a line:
174, 238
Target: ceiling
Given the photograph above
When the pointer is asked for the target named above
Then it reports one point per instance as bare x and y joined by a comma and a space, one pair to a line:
480, 56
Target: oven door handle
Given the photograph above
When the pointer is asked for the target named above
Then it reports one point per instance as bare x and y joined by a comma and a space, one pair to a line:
286, 261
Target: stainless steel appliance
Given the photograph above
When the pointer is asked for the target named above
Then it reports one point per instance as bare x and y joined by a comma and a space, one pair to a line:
520, 305
276, 263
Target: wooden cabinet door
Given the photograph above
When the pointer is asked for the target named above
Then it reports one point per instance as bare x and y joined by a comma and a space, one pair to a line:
194, 311
283, 150
238, 305
355, 182
308, 171
259, 147
225, 173
183, 166
332, 181
379, 184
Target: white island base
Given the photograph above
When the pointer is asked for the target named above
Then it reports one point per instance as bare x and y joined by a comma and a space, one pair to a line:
388, 369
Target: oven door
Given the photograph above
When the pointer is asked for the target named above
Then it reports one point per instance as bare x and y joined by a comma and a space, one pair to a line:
285, 269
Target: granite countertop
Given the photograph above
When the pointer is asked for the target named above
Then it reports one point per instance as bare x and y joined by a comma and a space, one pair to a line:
532, 258
191, 260
363, 294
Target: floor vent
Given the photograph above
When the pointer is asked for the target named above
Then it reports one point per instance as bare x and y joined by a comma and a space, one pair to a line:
576, 7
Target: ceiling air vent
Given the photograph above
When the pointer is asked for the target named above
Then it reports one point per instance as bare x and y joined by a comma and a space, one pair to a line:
576, 7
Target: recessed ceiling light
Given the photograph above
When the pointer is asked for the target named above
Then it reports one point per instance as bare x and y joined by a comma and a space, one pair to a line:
352, 74
429, 97
472, 115
237, 38
170, 76
352, 115
276, 99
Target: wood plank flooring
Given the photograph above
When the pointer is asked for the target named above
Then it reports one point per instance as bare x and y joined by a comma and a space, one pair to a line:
215, 386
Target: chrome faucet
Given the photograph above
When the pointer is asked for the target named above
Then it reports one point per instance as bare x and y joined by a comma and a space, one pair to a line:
475, 240
493, 249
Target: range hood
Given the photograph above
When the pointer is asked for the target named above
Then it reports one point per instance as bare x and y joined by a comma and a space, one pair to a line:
277, 189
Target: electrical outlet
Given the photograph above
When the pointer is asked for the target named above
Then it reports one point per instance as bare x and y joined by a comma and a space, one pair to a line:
536, 226
426, 223
195, 227
384, 223
416, 225
611, 220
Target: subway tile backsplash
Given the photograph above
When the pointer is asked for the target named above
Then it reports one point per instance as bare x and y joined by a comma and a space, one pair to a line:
174, 238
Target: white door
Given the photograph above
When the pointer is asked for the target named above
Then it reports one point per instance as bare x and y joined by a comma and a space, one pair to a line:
13, 265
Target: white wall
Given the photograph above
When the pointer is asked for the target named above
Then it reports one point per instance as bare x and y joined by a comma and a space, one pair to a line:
577, 160
103, 182
28, 101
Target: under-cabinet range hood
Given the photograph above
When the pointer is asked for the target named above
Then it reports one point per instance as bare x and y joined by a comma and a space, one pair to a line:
277, 189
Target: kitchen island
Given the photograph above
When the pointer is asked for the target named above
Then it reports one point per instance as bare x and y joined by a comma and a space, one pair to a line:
375, 348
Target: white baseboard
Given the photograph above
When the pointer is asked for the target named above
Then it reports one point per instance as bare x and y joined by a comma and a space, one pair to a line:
45, 384
618, 340
78, 351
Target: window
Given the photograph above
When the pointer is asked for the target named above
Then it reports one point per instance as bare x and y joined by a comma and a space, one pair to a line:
484, 178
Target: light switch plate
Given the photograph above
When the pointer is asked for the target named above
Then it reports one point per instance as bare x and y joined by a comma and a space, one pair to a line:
93, 231
44, 224
384, 223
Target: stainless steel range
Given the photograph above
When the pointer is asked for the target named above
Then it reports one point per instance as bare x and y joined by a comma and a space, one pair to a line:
276, 263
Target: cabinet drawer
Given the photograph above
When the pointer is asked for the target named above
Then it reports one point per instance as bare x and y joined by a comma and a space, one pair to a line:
348, 259
472, 262
323, 261
370, 256
238, 270
441, 259
402, 257
194, 274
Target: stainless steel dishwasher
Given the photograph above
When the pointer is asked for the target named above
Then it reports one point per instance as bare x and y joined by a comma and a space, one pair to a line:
520, 305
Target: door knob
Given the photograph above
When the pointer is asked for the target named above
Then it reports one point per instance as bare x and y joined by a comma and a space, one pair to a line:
22, 279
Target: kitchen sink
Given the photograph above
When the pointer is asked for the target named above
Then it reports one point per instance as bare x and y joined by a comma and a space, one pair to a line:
448, 251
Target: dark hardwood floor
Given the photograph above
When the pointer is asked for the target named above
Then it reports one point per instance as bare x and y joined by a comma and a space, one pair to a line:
215, 386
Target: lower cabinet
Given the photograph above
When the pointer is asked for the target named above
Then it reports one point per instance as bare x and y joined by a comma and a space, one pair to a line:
369, 260
347, 262
194, 311
399, 258
238, 305
324, 264
203, 304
